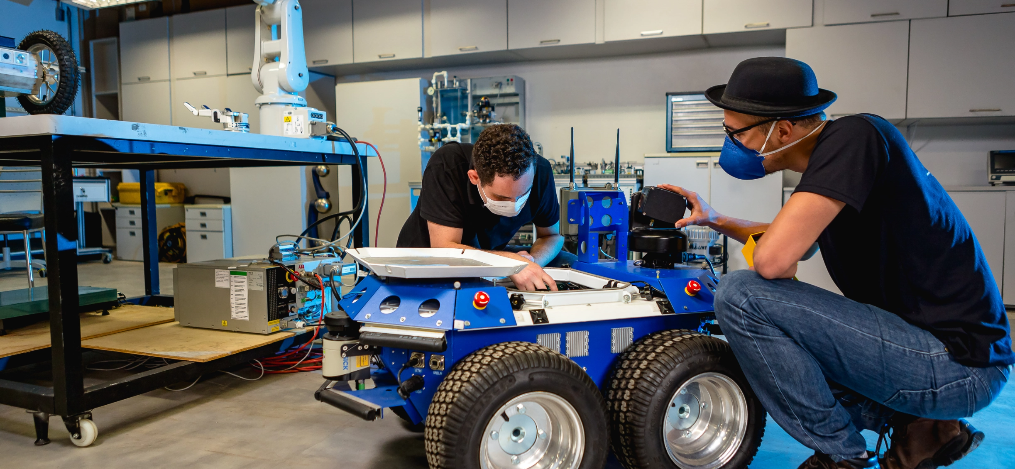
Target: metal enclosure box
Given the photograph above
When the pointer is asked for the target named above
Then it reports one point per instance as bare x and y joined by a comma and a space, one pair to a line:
233, 295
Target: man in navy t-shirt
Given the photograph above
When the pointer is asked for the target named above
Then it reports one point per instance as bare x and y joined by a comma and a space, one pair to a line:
919, 338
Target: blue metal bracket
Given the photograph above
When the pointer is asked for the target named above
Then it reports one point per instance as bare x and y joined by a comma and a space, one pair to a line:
599, 211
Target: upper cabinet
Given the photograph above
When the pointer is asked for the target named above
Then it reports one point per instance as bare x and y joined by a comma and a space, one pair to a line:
957, 66
199, 44
730, 16
866, 11
465, 26
144, 50
240, 39
976, 7
199, 92
864, 64
387, 30
327, 31
638, 19
542, 23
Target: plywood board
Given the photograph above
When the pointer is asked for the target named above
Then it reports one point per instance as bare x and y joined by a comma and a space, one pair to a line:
124, 318
177, 342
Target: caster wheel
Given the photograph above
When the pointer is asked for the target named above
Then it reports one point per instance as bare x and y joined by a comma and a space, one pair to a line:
89, 432
43, 273
107, 258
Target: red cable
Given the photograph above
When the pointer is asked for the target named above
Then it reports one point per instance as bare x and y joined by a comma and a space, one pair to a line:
276, 360
384, 192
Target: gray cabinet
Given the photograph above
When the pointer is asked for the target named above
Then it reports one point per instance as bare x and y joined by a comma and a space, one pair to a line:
240, 39
387, 30
864, 64
128, 227
639, 19
207, 91
465, 26
866, 11
983, 209
209, 232
1008, 276
148, 103
543, 23
730, 16
957, 66
144, 50
198, 44
327, 31
977, 7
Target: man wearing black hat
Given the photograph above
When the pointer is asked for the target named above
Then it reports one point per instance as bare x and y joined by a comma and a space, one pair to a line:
919, 338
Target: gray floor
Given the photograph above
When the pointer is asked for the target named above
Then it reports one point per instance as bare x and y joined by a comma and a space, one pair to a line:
224, 422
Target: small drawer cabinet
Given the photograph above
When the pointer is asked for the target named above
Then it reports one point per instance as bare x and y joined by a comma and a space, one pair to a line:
209, 232
128, 227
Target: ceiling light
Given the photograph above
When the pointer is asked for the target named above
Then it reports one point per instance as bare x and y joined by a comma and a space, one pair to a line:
96, 4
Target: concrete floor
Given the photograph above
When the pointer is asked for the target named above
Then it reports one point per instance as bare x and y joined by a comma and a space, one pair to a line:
224, 422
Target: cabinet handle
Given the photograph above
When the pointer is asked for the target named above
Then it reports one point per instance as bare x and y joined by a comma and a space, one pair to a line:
200, 73
993, 109
204, 236
880, 15
468, 48
132, 233
131, 212
385, 56
701, 164
132, 223
203, 214
204, 225
716, 164
546, 42
320, 62
144, 78
762, 24
1008, 5
651, 33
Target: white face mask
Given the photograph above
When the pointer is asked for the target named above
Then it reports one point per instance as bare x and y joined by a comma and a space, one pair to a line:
505, 208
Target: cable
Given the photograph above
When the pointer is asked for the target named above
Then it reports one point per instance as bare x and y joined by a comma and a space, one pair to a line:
167, 388
310, 364
248, 379
384, 191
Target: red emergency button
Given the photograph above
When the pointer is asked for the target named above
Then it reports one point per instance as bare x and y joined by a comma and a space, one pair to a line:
481, 300
692, 288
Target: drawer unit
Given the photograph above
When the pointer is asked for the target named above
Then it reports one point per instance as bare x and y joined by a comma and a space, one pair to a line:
128, 227
200, 213
128, 244
209, 232
205, 246
204, 225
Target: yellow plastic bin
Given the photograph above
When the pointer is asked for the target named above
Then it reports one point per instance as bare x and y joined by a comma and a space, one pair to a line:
165, 192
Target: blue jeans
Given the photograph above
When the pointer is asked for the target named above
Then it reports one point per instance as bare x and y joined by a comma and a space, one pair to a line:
826, 367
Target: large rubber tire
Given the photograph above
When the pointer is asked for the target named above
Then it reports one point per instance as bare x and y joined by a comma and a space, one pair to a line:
480, 384
67, 88
648, 375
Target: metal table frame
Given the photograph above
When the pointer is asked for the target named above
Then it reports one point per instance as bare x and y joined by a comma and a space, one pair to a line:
57, 155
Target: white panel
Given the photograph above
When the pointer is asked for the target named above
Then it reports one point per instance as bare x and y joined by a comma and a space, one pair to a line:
327, 31
204, 246
266, 202
864, 64
956, 65
865, 11
146, 102
209, 91
548, 23
730, 16
639, 19
976, 7
198, 44
1008, 277
144, 50
688, 172
465, 26
387, 30
759, 200
982, 211
240, 38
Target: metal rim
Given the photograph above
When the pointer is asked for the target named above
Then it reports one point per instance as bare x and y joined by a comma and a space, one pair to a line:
535, 430
48, 67
705, 422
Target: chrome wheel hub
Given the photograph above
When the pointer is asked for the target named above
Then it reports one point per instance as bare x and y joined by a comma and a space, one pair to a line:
705, 422
48, 72
534, 430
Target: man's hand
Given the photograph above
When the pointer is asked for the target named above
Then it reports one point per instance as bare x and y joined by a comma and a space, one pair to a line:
701, 213
533, 277
526, 255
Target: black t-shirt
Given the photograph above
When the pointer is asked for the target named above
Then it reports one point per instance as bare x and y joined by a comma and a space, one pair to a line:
901, 244
448, 198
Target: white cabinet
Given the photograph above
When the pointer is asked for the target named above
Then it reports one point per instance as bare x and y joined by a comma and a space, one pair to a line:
144, 50
387, 30
983, 211
976, 7
960, 66
542, 23
689, 171
638, 19
148, 103
129, 246
865, 11
730, 16
240, 38
198, 44
327, 31
1008, 276
465, 26
208, 91
209, 232
864, 64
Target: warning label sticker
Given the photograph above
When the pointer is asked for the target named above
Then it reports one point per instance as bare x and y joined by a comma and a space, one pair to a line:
292, 124
238, 296
255, 281
221, 278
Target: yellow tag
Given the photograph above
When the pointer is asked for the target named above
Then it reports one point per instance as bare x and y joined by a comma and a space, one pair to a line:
748, 250
225, 323
363, 361
275, 328
273, 323
287, 119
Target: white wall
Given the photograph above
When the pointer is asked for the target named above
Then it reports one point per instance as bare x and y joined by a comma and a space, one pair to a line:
957, 154
20, 17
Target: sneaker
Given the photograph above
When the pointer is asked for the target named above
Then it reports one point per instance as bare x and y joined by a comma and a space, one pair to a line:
926, 444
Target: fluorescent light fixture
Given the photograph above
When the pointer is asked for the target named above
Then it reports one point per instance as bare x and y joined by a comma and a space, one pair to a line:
96, 4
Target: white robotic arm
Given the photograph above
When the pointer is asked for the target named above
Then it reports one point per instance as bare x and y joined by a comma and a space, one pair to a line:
280, 70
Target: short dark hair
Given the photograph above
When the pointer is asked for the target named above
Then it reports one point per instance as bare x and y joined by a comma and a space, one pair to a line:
503, 150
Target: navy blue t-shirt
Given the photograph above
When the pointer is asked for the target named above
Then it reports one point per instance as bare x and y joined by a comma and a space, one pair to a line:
901, 244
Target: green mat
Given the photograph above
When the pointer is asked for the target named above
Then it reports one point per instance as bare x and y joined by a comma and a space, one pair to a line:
17, 303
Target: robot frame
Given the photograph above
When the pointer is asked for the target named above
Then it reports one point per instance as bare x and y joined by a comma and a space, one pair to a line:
500, 378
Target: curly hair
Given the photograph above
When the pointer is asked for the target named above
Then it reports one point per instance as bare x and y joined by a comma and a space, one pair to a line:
503, 150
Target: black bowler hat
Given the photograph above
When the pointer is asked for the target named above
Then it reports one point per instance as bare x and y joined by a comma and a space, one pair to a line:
772, 87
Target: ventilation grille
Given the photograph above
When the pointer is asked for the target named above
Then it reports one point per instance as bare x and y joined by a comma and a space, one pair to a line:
694, 123
550, 341
578, 344
621, 338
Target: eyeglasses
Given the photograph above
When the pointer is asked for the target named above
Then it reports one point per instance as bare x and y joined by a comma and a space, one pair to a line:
732, 133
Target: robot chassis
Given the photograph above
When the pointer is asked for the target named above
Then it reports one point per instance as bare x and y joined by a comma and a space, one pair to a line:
499, 378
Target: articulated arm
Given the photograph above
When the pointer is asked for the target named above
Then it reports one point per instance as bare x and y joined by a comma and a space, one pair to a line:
292, 75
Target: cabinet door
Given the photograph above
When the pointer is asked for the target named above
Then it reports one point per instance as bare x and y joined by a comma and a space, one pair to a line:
638, 19
465, 26
759, 200
730, 16
144, 48
209, 91
982, 211
387, 30
976, 7
864, 64
1008, 276
866, 11
204, 246
327, 31
198, 44
240, 39
147, 103
688, 172
959, 66
542, 23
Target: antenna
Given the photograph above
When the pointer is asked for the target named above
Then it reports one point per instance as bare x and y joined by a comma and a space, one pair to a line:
616, 164
570, 162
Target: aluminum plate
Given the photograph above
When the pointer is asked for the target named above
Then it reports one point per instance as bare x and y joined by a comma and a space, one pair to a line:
435, 262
